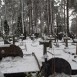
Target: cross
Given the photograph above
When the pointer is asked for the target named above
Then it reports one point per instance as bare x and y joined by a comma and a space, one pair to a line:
75, 41
33, 36
45, 44
50, 39
66, 40
13, 39
21, 37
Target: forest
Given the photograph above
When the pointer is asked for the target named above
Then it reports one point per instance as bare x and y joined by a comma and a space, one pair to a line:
38, 16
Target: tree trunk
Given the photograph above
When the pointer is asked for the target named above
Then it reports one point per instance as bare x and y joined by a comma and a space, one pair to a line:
64, 18
5, 9
52, 14
22, 14
68, 17
30, 18
48, 15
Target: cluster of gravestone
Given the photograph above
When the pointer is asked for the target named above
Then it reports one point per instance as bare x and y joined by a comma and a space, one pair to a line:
61, 35
48, 66
53, 65
10, 51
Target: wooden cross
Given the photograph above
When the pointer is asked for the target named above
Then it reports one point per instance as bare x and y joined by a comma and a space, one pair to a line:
45, 44
13, 39
75, 41
50, 39
66, 40
21, 37
33, 36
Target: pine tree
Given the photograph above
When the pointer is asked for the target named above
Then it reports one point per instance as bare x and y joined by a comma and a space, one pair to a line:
19, 26
6, 27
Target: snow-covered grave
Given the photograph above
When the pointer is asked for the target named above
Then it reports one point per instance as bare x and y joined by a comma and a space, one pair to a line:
28, 62
62, 51
18, 65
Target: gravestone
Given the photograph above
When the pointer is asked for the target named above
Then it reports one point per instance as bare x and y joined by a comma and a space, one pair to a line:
10, 50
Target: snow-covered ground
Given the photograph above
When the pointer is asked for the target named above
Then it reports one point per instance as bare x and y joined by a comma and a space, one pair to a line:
62, 75
28, 63
15, 65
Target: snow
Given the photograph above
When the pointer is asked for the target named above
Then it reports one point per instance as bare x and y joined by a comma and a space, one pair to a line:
1, 43
28, 62
59, 75
61, 51
6, 45
75, 40
1, 74
17, 64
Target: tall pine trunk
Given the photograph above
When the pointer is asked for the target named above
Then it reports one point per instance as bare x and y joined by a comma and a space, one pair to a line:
68, 17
